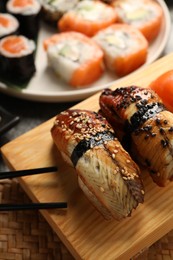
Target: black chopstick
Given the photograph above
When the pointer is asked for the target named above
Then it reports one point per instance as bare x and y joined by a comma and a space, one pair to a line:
21, 173
33, 206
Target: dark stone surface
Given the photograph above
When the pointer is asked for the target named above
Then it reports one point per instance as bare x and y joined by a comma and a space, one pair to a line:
31, 115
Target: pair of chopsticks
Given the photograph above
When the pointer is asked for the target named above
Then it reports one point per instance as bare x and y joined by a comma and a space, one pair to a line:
31, 206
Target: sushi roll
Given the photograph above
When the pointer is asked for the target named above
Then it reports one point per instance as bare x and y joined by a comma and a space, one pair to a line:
76, 58
28, 14
146, 15
53, 10
125, 48
3, 5
8, 25
88, 17
17, 56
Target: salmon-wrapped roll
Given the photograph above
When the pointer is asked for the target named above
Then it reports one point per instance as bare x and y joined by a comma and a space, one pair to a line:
140, 113
125, 48
106, 173
75, 58
144, 15
87, 17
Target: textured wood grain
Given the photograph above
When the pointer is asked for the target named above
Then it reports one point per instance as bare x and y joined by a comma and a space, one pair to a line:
86, 234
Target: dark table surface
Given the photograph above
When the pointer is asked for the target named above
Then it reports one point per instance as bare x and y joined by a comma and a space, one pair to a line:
34, 113
31, 115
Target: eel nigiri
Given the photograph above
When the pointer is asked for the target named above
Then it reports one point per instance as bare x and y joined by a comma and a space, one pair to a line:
106, 173
141, 114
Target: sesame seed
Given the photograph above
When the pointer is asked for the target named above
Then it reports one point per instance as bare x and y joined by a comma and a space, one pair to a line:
79, 126
102, 189
158, 121
146, 136
161, 130
170, 129
164, 143
74, 114
64, 113
153, 134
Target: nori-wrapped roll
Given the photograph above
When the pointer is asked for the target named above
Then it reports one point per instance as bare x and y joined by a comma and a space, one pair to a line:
17, 59
3, 6
28, 15
8, 25
53, 10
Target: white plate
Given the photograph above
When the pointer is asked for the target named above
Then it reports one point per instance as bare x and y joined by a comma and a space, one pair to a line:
45, 86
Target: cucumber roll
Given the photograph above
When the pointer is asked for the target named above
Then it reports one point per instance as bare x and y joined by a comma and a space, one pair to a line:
53, 10
8, 25
28, 14
17, 57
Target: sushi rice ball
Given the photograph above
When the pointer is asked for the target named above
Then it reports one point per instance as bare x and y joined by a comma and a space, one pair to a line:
17, 57
146, 15
76, 58
8, 25
125, 48
88, 17
53, 10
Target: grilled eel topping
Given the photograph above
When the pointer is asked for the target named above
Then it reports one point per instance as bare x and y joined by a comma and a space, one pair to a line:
141, 114
87, 144
106, 173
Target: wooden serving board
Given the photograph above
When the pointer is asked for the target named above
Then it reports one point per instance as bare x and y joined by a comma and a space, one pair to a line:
82, 229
